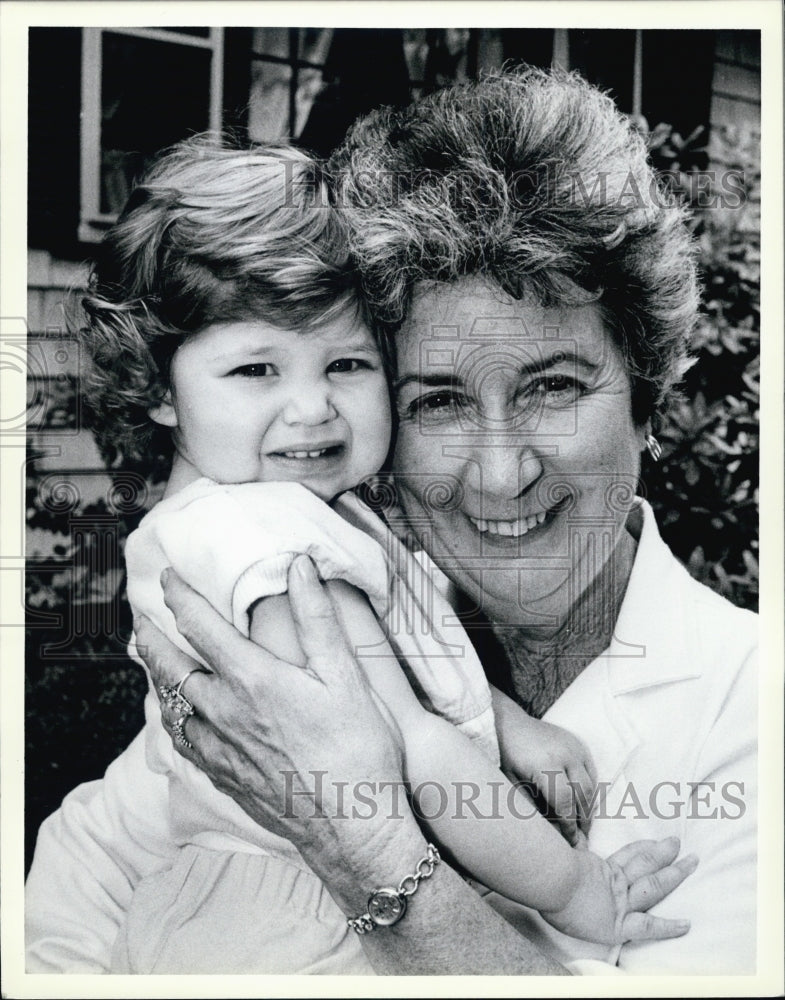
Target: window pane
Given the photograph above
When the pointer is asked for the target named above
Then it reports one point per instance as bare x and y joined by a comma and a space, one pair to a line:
152, 94
197, 32
606, 58
677, 74
533, 46
314, 44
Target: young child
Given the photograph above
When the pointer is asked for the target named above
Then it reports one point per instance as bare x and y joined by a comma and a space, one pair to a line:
225, 311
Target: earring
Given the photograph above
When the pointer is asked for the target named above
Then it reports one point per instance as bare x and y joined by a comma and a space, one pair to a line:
653, 446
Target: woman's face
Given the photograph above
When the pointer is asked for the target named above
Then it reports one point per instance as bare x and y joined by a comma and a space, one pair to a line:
517, 457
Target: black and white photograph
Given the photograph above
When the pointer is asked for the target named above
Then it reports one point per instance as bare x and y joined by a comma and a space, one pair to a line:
392, 499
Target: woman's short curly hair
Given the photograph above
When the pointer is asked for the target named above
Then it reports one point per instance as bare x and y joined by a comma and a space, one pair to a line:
535, 180
210, 234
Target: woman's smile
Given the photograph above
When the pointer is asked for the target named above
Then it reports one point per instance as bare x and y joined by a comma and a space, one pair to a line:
514, 479
514, 529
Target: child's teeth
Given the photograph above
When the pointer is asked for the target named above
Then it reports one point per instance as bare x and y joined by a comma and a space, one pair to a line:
305, 454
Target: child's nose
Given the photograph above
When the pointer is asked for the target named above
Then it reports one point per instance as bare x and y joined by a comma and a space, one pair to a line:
309, 404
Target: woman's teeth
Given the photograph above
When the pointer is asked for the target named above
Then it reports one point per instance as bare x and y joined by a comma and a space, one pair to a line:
514, 529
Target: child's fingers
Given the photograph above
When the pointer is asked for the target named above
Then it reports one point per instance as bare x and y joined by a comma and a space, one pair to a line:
584, 787
555, 788
644, 857
645, 927
650, 889
591, 769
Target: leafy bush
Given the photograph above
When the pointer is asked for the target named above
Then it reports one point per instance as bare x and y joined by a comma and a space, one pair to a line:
705, 488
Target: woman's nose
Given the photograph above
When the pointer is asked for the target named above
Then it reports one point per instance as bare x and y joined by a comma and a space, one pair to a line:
501, 467
309, 403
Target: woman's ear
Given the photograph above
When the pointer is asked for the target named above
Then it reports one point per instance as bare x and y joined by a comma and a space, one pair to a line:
164, 412
642, 432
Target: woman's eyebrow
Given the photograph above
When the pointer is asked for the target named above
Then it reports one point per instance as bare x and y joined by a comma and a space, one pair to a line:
437, 381
558, 357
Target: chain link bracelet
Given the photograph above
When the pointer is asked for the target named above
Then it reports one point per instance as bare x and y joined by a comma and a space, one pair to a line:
387, 905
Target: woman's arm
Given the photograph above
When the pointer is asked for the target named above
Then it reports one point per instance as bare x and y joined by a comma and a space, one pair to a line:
514, 851
488, 825
272, 727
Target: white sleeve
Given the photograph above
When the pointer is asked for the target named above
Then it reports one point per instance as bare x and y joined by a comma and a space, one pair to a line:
720, 826
234, 544
89, 856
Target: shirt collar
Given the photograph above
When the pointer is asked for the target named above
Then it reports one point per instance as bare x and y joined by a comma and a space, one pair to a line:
653, 642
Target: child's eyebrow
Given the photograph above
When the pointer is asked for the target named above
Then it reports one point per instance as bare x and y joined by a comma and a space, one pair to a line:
246, 351
260, 350
357, 345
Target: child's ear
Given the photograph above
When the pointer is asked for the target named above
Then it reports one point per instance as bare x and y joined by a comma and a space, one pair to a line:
164, 412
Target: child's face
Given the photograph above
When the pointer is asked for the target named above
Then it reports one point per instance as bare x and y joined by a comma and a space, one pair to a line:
251, 402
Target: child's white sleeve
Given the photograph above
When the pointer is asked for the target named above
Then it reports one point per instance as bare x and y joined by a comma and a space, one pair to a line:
234, 544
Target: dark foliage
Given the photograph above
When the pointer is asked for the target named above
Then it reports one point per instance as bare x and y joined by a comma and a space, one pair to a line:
705, 488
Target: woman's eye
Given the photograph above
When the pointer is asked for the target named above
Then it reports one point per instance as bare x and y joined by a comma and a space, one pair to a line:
344, 366
435, 405
258, 370
559, 388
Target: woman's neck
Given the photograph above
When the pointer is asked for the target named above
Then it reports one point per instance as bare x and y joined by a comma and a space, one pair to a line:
541, 664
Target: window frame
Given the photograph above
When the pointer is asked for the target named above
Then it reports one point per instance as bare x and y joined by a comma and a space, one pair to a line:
93, 223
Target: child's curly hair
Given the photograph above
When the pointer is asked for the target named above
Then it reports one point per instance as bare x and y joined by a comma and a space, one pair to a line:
210, 234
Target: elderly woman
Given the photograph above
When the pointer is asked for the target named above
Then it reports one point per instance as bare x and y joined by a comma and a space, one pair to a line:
537, 295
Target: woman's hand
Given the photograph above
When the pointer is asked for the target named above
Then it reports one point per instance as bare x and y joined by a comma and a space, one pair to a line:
292, 744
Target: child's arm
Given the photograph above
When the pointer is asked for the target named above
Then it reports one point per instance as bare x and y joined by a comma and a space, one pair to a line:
557, 763
513, 850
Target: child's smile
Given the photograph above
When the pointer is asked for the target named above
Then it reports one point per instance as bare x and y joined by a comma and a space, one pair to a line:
251, 402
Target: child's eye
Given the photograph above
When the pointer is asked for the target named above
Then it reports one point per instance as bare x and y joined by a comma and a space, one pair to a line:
344, 366
258, 370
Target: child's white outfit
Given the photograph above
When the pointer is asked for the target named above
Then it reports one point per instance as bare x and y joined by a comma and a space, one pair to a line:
234, 544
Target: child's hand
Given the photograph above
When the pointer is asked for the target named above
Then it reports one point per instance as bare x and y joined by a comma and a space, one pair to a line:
610, 904
557, 763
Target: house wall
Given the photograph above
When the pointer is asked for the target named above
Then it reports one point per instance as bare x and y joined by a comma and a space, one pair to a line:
735, 89
65, 450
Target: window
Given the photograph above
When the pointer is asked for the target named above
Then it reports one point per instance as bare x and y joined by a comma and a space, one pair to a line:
142, 90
